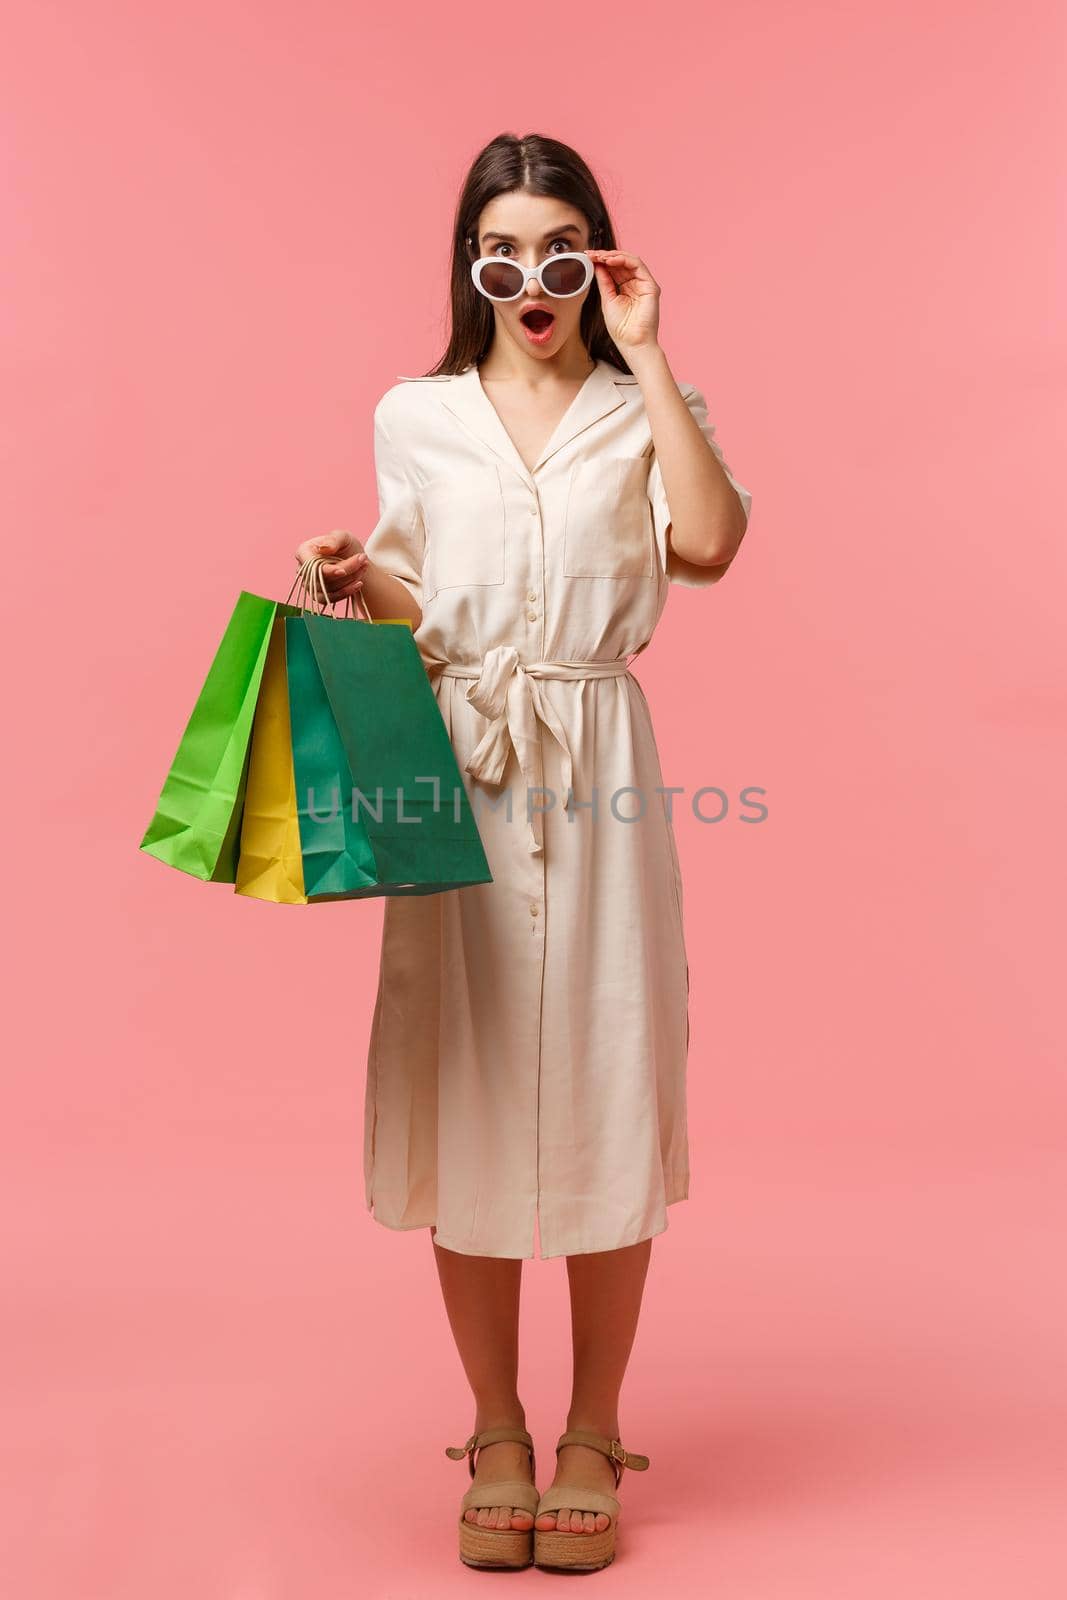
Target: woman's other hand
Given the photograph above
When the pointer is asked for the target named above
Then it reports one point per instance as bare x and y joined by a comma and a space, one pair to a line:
345, 562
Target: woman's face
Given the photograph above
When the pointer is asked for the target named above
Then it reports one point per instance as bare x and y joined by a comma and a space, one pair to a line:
527, 228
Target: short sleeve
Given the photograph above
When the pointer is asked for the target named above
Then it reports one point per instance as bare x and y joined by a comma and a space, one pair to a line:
397, 541
679, 571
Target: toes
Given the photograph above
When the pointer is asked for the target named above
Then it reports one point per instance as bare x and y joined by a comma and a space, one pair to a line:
566, 1521
503, 1517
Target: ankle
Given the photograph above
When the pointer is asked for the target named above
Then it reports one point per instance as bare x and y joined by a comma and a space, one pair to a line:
587, 1422
499, 1414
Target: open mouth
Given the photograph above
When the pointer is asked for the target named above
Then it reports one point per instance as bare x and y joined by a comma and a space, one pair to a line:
537, 321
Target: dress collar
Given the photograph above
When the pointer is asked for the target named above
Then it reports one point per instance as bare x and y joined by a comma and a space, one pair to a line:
599, 395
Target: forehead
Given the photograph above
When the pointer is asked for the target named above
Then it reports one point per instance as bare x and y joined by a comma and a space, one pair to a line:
529, 218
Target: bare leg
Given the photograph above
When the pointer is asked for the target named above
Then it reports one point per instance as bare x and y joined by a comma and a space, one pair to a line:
606, 1291
481, 1295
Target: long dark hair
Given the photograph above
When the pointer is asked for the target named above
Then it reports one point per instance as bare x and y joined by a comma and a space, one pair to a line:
534, 165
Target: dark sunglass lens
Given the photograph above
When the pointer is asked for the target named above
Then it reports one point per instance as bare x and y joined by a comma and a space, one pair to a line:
502, 280
563, 277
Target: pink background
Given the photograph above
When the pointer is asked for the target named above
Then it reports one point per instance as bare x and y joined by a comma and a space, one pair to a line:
225, 233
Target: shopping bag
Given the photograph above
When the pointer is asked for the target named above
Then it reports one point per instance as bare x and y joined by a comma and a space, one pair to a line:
270, 864
196, 826
403, 789
337, 859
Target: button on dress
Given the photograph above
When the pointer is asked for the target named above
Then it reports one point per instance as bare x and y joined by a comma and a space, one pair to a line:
526, 1077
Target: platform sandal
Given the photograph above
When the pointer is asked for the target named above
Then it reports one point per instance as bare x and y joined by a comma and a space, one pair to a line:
496, 1547
583, 1552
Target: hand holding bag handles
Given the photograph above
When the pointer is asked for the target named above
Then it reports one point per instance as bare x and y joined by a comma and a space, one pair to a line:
310, 583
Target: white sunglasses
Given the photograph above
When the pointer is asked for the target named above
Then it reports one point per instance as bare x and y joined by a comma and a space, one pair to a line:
562, 276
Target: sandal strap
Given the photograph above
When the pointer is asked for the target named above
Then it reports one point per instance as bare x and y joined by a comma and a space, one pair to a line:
612, 1448
575, 1499
456, 1452
519, 1496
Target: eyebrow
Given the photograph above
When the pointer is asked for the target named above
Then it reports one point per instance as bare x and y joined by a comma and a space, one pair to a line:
507, 238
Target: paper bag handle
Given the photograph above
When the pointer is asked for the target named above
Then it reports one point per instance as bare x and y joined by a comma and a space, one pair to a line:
312, 587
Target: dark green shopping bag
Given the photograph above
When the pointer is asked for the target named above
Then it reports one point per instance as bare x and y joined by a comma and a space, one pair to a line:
197, 823
380, 800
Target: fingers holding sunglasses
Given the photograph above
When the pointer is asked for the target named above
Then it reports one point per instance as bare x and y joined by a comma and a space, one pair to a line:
622, 267
629, 296
617, 281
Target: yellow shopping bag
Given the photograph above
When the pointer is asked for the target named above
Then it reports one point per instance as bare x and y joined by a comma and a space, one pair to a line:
270, 865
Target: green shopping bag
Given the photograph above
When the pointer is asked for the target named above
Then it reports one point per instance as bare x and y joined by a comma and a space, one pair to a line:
197, 823
380, 800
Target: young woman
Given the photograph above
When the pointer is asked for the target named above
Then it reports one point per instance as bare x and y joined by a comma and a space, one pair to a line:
539, 491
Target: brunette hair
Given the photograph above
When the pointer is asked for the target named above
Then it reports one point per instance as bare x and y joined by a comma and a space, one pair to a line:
533, 165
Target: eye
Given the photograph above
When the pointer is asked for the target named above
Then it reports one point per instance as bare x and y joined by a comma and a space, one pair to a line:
563, 242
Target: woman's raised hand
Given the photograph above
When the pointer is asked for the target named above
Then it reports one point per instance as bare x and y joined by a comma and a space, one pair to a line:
346, 560
629, 298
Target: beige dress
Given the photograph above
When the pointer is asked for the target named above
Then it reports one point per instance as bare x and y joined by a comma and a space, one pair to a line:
527, 1067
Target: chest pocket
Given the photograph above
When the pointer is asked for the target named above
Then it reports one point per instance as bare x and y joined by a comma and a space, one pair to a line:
463, 516
608, 522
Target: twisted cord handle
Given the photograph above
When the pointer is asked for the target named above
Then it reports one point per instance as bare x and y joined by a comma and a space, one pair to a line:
310, 586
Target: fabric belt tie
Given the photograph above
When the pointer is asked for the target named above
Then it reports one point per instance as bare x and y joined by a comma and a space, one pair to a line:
506, 691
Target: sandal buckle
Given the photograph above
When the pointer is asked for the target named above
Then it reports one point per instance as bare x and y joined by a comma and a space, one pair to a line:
617, 1453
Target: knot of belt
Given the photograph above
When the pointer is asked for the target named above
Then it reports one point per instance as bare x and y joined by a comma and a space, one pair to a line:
506, 691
